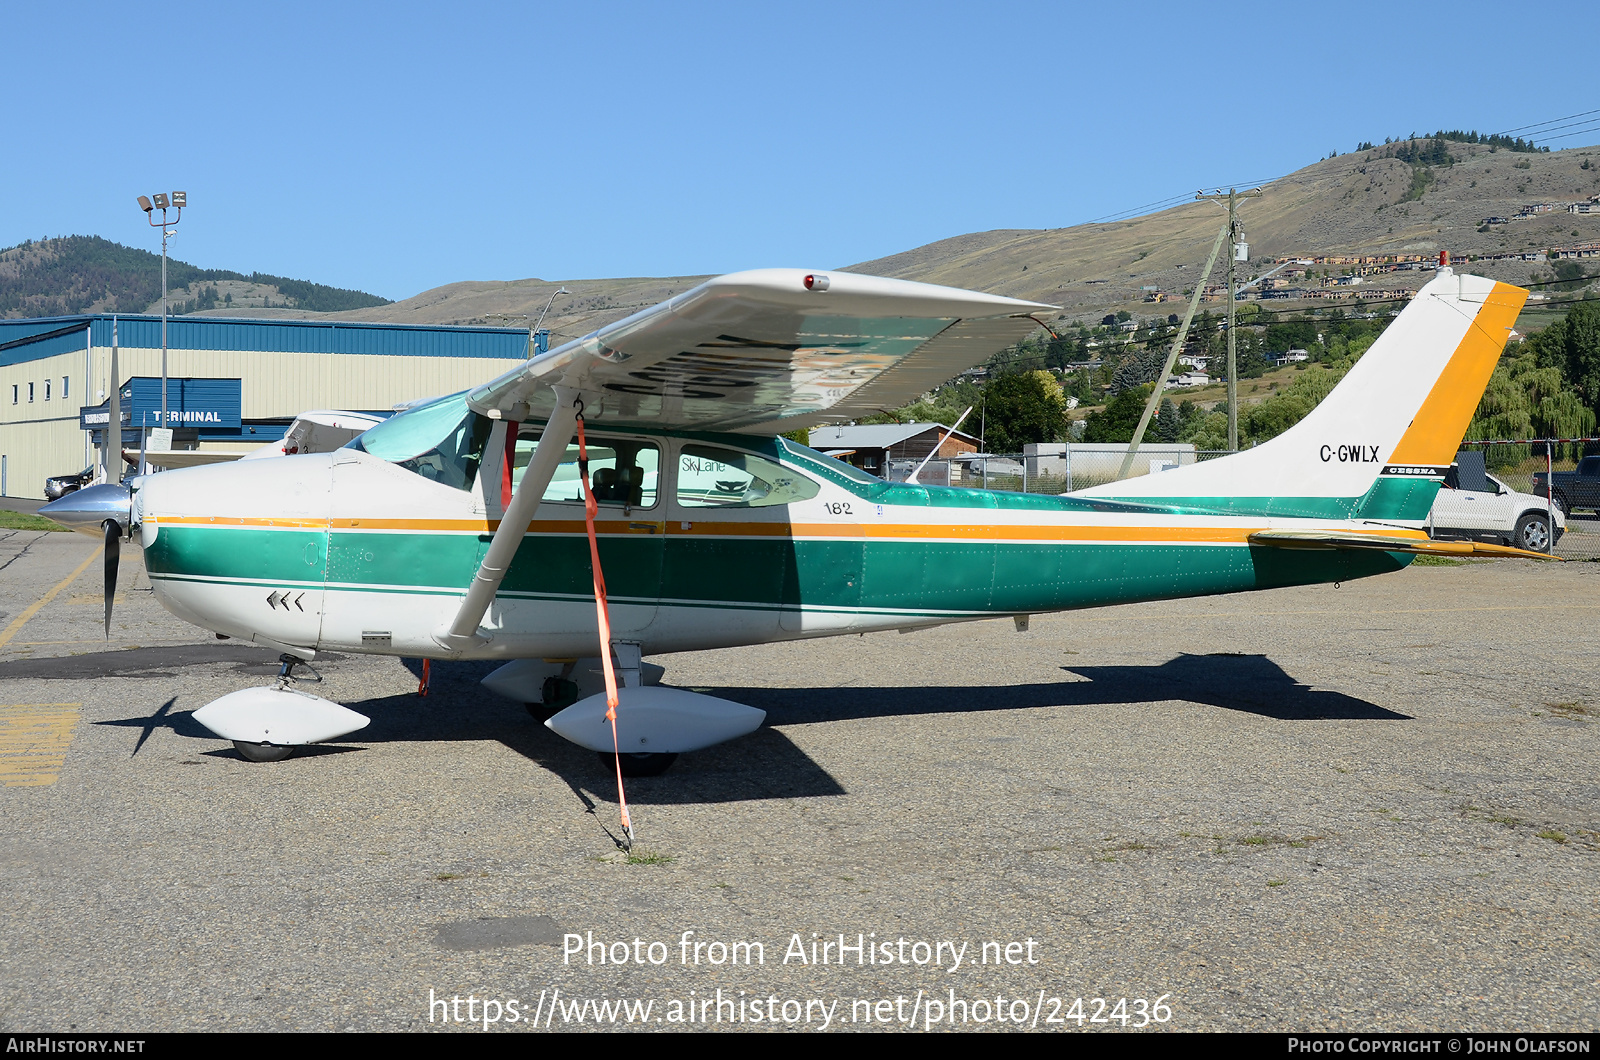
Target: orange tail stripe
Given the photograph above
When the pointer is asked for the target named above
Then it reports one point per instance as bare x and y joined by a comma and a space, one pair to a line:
1441, 423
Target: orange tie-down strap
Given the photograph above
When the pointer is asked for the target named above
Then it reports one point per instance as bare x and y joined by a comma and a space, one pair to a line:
590, 507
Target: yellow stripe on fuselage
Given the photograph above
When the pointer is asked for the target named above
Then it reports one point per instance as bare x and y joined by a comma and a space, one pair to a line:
1206, 535
1441, 422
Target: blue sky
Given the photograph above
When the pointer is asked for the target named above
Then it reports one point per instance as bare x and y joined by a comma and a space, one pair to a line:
396, 147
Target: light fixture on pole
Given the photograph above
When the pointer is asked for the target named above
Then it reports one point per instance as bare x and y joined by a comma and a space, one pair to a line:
535, 329
533, 322
177, 201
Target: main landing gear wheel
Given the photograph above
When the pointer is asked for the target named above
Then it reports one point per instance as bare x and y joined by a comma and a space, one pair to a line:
262, 752
1533, 533
558, 694
638, 765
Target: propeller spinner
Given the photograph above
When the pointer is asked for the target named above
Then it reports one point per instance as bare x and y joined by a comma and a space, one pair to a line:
104, 511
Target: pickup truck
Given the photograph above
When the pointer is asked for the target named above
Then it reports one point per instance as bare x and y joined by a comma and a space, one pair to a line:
1573, 489
1475, 506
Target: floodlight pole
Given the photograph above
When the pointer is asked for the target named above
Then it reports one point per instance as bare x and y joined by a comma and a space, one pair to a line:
1232, 199
178, 201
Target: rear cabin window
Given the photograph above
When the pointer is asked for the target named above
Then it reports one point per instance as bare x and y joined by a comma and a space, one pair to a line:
710, 477
622, 471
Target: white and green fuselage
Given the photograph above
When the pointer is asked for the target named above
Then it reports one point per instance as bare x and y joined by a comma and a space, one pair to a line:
715, 540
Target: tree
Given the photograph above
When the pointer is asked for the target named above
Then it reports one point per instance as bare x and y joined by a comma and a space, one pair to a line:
1290, 334
1527, 397
1169, 422
1140, 366
1570, 346
1116, 422
1022, 407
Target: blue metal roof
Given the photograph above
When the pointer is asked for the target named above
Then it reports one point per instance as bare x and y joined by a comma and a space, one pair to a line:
272, 336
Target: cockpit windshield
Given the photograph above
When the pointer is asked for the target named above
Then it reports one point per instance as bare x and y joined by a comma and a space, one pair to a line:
442, 440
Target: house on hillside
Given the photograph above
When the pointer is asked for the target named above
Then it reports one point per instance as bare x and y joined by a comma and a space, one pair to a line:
874, 447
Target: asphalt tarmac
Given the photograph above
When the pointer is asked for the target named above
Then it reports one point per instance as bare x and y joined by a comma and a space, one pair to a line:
1371, 807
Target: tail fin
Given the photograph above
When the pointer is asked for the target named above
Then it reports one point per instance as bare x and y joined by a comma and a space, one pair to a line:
1379, 444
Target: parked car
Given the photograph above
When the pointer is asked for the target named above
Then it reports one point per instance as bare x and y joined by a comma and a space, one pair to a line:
61, 485
1573, 489
1473, 505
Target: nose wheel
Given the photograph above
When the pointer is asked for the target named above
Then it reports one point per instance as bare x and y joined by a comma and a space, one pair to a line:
262, 752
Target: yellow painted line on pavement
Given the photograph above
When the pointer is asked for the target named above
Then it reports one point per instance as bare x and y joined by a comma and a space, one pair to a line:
94, 599
34, 738
33, 608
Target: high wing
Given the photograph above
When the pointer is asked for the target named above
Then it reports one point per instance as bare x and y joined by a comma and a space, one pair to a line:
767, 351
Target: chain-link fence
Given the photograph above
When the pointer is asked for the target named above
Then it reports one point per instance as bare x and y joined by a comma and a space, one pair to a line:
1531, 478
1495, 499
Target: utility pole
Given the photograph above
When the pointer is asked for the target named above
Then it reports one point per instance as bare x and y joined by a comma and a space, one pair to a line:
1238, 248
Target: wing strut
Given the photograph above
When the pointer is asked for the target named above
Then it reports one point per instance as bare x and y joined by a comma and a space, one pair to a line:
462, 632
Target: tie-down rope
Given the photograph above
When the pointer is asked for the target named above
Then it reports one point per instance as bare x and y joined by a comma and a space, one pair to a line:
590, 508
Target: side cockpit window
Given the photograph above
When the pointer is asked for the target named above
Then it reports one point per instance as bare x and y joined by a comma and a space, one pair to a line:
443, 441
622, 471
711, 477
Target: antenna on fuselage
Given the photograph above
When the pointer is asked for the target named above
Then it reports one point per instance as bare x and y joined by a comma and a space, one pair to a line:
911, 479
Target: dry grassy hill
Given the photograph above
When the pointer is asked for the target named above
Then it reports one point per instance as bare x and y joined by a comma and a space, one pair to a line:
1351, 204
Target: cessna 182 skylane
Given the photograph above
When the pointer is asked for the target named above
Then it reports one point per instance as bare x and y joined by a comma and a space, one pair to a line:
456, 529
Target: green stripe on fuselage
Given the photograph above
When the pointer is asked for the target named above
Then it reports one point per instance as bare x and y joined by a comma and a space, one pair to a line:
244, 553
837, 575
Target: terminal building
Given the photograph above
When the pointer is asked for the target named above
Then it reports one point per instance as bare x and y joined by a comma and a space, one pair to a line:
232, 385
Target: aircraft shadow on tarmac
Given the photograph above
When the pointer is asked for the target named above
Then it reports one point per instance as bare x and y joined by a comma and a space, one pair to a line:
1252, 684
766, 764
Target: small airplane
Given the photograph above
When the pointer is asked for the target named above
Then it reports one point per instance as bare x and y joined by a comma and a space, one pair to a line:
463, 527
317, 431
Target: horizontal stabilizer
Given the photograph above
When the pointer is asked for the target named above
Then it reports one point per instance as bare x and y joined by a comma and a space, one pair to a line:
1417, 546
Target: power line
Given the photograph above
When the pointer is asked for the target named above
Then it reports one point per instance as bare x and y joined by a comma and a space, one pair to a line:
1175, 200
1563, 136
1551, 121
1556, 128
1118, 215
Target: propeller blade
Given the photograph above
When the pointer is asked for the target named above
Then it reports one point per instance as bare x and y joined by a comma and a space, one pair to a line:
113, 550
